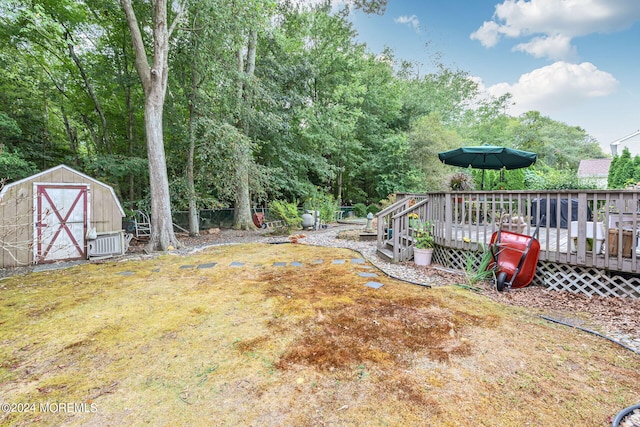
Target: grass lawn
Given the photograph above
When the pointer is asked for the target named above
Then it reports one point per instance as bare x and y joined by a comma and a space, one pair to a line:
163, 342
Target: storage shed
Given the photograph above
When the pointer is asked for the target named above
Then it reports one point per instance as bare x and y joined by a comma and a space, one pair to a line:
58, 214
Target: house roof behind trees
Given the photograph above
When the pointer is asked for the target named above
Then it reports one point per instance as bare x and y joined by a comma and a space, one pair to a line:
594, 167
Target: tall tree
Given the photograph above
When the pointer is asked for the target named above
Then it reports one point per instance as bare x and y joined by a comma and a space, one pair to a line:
242, 153
154, 83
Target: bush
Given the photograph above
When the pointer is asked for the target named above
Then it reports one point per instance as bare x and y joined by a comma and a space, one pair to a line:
373, 208
385, 203
323, 203
287, 212
360, 210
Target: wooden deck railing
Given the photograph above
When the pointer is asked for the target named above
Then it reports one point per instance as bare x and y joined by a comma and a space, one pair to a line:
596, 228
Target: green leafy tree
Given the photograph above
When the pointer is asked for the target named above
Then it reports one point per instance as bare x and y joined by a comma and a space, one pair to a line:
429, 137
13, 167
612, 172
623, 171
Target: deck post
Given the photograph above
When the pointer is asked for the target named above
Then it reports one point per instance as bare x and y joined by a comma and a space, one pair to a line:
448, 215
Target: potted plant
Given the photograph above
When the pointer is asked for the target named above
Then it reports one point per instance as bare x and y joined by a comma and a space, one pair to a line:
423, 244
461, 181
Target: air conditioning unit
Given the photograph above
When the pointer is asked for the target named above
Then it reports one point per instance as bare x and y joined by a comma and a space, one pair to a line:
107, 244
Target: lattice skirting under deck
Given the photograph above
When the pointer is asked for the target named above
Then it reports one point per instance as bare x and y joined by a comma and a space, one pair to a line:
582, 280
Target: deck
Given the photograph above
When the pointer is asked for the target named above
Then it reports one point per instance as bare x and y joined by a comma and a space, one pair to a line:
590, 233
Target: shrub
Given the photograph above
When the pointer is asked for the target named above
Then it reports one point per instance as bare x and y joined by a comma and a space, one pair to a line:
323, 203
360, 210
373, 208
385, 203
287, 212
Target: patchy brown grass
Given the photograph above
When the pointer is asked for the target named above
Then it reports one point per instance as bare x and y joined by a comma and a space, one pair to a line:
264, 345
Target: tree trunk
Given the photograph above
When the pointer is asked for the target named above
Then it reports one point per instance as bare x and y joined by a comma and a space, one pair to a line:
154, 83
242, 212
242, 149
194, 222
162, 235
340, 169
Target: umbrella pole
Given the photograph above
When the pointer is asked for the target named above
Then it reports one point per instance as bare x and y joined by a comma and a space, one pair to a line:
482, 184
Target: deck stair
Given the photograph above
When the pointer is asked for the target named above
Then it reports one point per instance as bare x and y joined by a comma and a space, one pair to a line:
395, 227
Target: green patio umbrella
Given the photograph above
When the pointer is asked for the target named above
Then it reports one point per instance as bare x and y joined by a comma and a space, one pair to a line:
488, 157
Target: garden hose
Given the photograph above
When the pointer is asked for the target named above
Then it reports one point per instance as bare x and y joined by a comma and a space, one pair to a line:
591, 332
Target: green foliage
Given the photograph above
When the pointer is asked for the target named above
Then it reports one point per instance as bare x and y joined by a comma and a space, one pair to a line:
555, 180
501, 180
360, 210
13, 167
558, 145
287, 212
8, 127
387, 201
476, 274
322, 110
428, 136
373, 208
612, 168
322, 202
567, 181
422, 236
622, 171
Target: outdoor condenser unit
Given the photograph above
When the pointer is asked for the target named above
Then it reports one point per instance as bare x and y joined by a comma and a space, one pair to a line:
107, 244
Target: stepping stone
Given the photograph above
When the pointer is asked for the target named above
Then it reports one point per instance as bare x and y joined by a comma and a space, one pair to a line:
187, 266
361, 274
357, 261
296, 264
155, 270
368, 267
207, 265
318, 261
374, 285
279, 264
237, 264
126, 273
338, 261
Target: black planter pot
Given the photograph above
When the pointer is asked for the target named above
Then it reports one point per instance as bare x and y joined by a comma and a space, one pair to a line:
622, 414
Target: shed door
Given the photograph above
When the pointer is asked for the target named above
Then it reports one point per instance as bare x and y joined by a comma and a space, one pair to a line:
60, 222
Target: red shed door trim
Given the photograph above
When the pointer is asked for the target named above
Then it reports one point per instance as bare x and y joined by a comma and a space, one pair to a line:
61, 222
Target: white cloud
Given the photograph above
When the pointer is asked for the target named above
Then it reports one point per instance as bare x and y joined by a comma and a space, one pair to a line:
556, 87
555, 47
554, 23
411, 21
488, 34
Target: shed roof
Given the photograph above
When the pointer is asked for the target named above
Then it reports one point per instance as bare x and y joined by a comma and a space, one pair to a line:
594, 167
35, 177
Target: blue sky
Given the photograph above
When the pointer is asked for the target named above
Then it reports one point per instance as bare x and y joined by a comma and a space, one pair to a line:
576, 61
